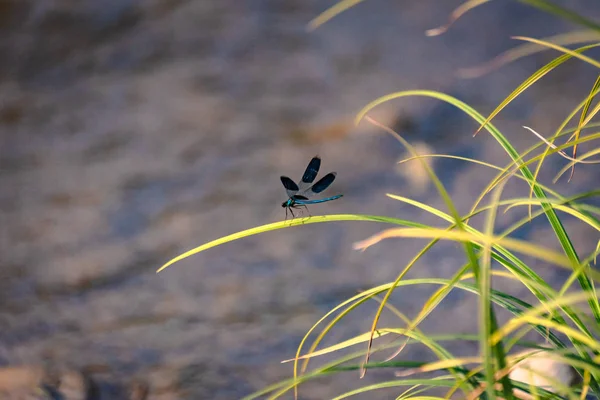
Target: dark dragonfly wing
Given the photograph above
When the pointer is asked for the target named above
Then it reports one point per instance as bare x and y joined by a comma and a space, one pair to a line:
290, 186
311, 171
322, 183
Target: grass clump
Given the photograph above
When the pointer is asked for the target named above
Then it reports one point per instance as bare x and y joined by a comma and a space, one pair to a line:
566, 318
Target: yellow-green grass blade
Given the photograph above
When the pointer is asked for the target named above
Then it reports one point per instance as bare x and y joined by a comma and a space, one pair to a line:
496, 180
572, 163
512, 263
521, 246
555, 223
560, 130
286, 224
493, 356
511, 170
557, 133
512, 304
327, 369
436, 382
531, 317
475, 236
447, 200
434, 211
574, 53
581, 208
514, 166
536, 76
428, 341
331, 13
567, 210
574, 317
364, 337
562, 12
357, 299
321, 335
367, 295
569, 206
582, 120
438, 350
528, 49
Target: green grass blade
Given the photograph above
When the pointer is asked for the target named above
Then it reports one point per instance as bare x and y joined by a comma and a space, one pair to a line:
447, 200
528, 49
562, 49
555, 223
582, 119
286, 224
536, 76
331, 13
562, 12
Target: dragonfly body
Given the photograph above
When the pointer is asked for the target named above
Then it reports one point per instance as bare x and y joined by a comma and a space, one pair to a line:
299, 195
296, 201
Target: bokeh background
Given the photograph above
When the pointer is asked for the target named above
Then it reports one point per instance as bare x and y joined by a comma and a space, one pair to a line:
131, 131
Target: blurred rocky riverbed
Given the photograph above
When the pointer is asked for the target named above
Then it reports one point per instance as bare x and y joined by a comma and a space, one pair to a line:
131, 131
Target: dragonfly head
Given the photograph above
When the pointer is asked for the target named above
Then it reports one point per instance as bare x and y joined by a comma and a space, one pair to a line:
287, 203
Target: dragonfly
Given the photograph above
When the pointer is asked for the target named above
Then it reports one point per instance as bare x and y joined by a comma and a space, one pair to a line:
298, 195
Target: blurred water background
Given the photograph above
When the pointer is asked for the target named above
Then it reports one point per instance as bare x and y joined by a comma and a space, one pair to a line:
131, 131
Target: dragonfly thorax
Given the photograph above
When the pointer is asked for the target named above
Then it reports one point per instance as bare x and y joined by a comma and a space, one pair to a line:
288, 203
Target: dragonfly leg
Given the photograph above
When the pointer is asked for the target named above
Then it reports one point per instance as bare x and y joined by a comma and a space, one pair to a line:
308, 211
292, 212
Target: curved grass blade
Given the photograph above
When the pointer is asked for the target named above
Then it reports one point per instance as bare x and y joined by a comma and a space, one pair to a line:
555, 223
285, 224
487, 321
562, 12
568, 210
453, 211
574, 53
527, 49
582, 120
530, 317
512, 304
559, 151
536, 76
455, 15
527, 273
436, 382
521, 246
506, 173
572, 163
519, 268
516, 164
331, 13
530, 273
547, 151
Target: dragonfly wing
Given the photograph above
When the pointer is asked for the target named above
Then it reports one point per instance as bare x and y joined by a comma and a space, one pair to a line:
323, 183
290, 186
311, 171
